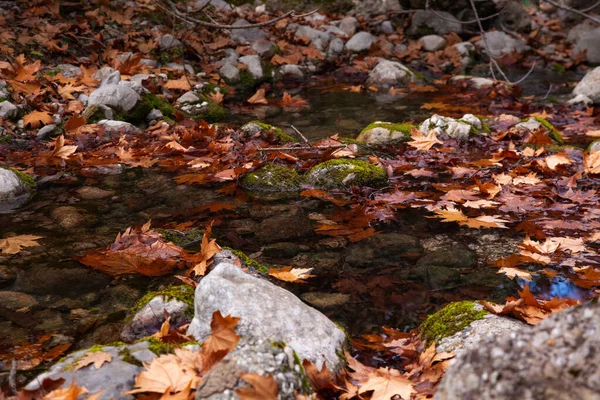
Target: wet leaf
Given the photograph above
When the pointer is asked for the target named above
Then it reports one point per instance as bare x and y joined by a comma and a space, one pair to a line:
14, 245
98, 358
289, 274
263, 388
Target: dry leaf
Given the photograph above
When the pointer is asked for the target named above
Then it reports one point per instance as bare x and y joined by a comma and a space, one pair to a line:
258, 97
37, 118
423, 142
98, 358
263, 388
13, 245
62, 151
289, 274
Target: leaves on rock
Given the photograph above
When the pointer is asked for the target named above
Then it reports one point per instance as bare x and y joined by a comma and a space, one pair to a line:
98, 358
263, 387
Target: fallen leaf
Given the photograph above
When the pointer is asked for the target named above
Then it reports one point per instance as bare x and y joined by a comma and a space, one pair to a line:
422, 142
13, 245
98, 358
36, 118
258, 97
263, 388
222, 339
289, 274
62, 151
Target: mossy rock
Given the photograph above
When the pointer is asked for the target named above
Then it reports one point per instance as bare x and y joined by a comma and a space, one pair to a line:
594, 146
149, 102
552, 132
183, 293
384, 133
272, 181
25, 178
181, 238
254, 127
450, 320
250, 263
345, 172
215, 112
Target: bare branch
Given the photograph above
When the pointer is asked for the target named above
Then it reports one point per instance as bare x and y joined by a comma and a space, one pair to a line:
590, 8
301, 135
573, 10
337, 146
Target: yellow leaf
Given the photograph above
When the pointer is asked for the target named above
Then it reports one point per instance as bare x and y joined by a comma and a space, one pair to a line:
98, 358
486, 222
62, 151
14, 244
512, 272
557, 159
289, 274
386, 383
423, 142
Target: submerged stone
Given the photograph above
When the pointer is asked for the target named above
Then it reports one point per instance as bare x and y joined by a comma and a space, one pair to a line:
15, 188
255, 127
384, 133
344, 172
272, 179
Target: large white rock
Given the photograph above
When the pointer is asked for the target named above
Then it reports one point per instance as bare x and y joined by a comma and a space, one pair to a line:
319, 39
8, 110
11, 186
266, 311
446, 127
117, 96
590, 86
501, 44
361, 41
390, 73
254, 64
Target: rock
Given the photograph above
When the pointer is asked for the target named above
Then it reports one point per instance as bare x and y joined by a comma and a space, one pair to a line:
318, 39
71, 217
476, 81
349, 25
287, 226
361, 41
578, 31
264, 48
168, 41
230, 73
68, 70
446, 127
94, 193
501, 44
188, 97
219, 4
383, 133
531, 125
45, 131
247, 35
590, 86
292, 72
433, 42
272, 179
180, 67
4, 92
14, 191
256, 127
8, 110
153, 309
112, 126
107, 76
581, 99
266, 312
73, 282
16, 300
387, 27
514, 17
556, 359
466, 50
426, 22
325, 300
283, 249
454, 257
120, 372
383, 249
118, 96
336, 47
594, 147
7, 275
341, 172
390, 73
262, 358
231, 57
334, 30
589, 43
154, 115
254, 64
436, 277
375, 7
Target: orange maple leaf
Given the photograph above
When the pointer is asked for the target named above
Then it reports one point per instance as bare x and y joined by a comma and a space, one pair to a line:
422, 142
263, 388
292, 102
289, 274
258, 97
37, 118
222, 339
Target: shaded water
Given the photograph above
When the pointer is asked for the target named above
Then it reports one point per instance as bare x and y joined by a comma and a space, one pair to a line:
380, 286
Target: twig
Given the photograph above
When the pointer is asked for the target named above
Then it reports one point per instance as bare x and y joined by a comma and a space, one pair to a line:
526, 75
337, 146
574, 11
301, 135
590, 8
12, 377
548, 92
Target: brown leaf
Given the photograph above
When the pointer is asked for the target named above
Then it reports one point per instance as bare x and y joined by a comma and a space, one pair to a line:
263, 388
289, 274
258, 97
68, 393
98, 358
13, 245
222, 339
62, 151
37, 118
74, 123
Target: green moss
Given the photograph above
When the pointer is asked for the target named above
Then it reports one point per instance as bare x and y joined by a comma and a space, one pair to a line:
552, 132
25, 178
215, 112
159, 347
184, 293
53, 71
278, 132
417, 75
246, 82
128, 358
404, 129
450, 320
93, 114
6, 139
148, 102
271, 178
211, 88
250, 263
181, 238
306, 385
559, 68
344, 172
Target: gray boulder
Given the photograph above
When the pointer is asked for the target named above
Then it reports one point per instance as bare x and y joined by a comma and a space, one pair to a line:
266, 312
107, 76
375, 7
390, 73
8, 110
113, 378
433, 42
446, 127
557, 359
589, 43
319, 39
292, 72
230, 73
113, 95
361, 41
168, 41
254, 64
578, 31
188, 97
425, 22
501, 44
590, 86
264, 48
113, 126
13, 191
68, 70
349, 25
336, 47
246, 35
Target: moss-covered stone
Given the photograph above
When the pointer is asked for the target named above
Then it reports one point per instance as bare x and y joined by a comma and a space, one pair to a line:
214, 112
143, 107
25, 178
451, 319
182, 293
344, 172
181, 238
126, 356
272, 179
552, 132
250, 263
254, 127
384, 133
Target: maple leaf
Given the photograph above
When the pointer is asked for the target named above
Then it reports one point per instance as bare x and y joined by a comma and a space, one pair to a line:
74, 123
386, 383
208, 249
263, 388
163, 375
258, 97
62, 151
13, 245
451, 214
292, 102
557, 159
320, 379
178, 84
66, 92
486, 221
591, 163
289, 274
37, 118
98, 358
217, 97
480, 204
222, 339
515, 272
422, 142
69, 393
